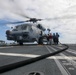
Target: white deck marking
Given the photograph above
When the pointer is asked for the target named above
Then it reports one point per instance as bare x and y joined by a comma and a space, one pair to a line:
69, 50
69, 59
67, 64
63, 71
71, 68
21, 55
64, 61
34, 55
6, 47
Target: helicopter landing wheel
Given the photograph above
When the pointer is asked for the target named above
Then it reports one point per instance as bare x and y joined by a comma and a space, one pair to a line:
20, 43
40, 41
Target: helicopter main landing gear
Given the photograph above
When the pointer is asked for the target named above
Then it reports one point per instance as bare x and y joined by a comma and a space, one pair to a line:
20, 43
40, 40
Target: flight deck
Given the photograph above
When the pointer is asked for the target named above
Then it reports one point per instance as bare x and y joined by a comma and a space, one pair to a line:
60, 64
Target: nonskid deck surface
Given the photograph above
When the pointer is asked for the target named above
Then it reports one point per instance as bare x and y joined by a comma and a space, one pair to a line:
61, 64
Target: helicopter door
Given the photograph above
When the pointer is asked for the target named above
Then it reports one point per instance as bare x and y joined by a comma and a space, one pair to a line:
31, 31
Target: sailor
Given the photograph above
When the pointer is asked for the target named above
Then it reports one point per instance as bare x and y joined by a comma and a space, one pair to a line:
50, 38
54, 38
57, 38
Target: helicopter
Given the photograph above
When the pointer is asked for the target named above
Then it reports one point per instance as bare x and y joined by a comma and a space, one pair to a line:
28, 32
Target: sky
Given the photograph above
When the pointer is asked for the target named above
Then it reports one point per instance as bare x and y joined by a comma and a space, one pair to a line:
58, 15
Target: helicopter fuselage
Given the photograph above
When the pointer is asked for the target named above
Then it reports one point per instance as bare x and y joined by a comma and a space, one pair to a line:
24, 33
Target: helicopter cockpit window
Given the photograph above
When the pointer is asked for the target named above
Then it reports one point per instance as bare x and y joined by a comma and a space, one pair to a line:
14, 29
18, 27
23, 27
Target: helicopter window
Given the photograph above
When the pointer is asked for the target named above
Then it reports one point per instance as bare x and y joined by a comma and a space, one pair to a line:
18, 28
23, 27
14, 29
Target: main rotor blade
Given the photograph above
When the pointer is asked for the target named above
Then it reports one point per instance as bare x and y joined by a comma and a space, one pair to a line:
22, 15
12, 22
40, 19
16, 22
63, 17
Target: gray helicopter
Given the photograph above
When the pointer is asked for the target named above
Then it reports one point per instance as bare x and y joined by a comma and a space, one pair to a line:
28, 32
